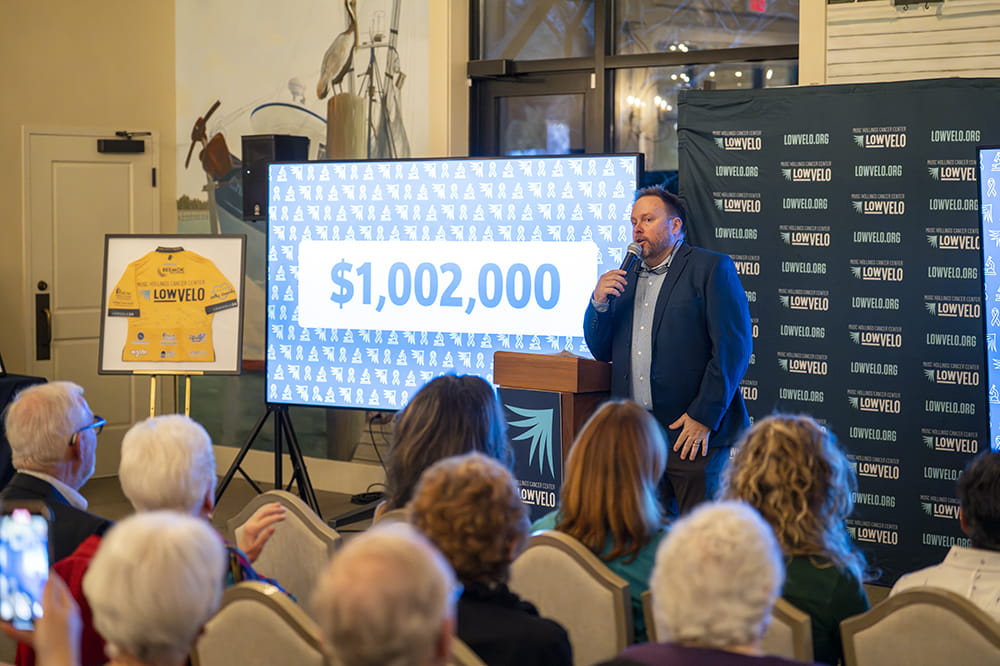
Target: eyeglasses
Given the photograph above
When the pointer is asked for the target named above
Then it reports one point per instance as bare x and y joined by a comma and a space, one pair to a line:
97, 425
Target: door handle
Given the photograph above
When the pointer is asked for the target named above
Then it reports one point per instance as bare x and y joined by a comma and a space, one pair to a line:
43, 328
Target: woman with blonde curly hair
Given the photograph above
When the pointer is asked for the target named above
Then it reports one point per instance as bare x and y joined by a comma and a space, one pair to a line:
470, 508
609, 499
791, 469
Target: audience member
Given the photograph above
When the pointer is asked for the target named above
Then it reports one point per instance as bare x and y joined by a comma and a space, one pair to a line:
794, 473
167, 463
469, 507
972, 571
609, 498
156, 579
716, 579
53, 441
387, 599
449, 416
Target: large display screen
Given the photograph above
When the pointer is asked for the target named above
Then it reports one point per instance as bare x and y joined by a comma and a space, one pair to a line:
385, 274
989, 209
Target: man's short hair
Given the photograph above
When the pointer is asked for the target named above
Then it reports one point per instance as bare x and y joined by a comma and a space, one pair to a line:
672, 201
40, 422
167, 462
385, 598
154, 582
979, 493
718, 573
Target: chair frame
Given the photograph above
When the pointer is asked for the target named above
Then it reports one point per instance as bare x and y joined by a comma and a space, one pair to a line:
462, 654
592, 564
652, 634
978, 619
274, 599
291, 503
801, 625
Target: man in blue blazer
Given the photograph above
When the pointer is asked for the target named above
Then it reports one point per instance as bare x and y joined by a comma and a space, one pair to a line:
53, 441
678, 336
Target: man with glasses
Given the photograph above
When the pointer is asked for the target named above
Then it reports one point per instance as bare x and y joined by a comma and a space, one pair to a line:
53, 440
679, 338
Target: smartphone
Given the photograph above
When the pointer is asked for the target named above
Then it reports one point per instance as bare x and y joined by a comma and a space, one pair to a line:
24, 562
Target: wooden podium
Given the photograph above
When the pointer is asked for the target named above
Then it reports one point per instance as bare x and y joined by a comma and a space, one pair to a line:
582, 384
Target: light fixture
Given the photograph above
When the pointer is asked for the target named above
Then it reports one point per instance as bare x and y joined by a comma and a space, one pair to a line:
770, 73
738, 73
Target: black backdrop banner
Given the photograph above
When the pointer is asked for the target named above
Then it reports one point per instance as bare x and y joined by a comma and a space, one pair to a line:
851, 212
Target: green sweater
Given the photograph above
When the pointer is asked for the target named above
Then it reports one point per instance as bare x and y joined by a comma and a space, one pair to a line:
828, 595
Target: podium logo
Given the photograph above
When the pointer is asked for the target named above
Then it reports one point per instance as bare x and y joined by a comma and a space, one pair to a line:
880, 137
954, 241
953, 173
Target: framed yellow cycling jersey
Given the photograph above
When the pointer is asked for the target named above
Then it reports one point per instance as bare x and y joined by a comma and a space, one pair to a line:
172, 303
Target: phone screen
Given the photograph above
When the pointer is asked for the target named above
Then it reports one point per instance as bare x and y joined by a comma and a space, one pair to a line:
24, 566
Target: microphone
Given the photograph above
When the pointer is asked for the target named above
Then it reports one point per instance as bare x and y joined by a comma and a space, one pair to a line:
632, 256
630, 262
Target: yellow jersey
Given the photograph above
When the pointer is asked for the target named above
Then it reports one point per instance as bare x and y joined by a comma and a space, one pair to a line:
170, 296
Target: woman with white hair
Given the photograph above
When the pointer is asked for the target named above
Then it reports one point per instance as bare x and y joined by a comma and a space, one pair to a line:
155, 581
167, 463
717, 575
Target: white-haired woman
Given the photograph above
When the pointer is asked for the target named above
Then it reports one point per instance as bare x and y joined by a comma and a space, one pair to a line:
155, 581
718, 573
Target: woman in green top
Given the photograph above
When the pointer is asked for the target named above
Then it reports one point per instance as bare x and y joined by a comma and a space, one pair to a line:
609, 499
791, 469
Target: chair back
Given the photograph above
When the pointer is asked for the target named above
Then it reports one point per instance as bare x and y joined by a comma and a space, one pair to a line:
647, 614
921, 627
789, 633
569, 584
462, 654
300, 548
258, 624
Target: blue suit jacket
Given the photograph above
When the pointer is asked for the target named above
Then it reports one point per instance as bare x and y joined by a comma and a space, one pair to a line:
70, 526
701, 343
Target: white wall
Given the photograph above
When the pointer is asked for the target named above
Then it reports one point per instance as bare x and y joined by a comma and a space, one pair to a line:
874, 41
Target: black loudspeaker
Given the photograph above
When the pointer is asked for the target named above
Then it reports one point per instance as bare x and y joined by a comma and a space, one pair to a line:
259, 150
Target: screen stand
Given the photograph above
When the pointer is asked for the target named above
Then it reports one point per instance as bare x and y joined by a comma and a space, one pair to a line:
284, 435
